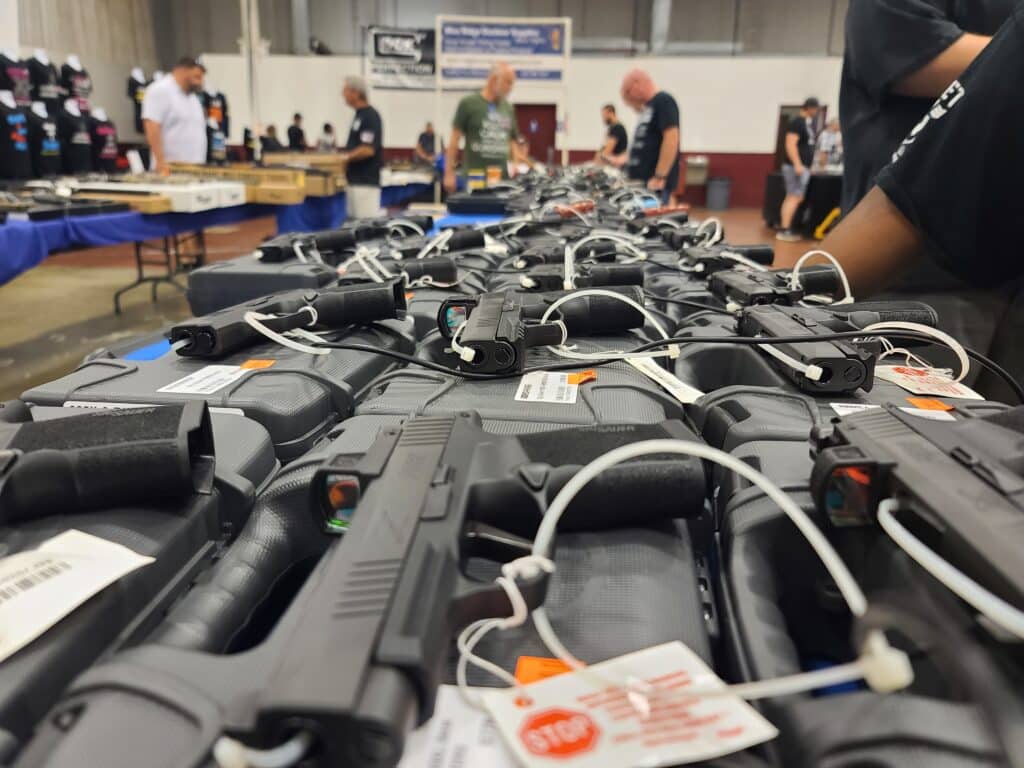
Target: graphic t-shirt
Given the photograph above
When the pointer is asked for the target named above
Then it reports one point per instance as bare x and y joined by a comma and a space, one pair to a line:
137, 92
215, 106
488, 129
76, 142
659, 114
15, 162
216, 145
14, 78
46, 85
366, 129
78, 85
104, 145
44, 145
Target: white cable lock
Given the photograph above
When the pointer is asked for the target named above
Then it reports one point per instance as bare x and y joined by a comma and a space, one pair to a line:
436, 244
254, 318
954, 345
231, 753
794, 276
989, 605
710, 239
672, 351
466, 354
812, 372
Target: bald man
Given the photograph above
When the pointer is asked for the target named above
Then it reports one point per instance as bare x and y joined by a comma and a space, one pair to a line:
488, 123
654, 156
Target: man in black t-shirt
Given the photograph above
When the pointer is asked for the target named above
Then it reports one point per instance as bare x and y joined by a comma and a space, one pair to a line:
900, 56
425, 151
616, 142
952, 193
296, 136
364, 152
796, 168
654, 156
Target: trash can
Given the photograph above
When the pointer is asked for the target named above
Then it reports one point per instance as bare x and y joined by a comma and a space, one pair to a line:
719, 188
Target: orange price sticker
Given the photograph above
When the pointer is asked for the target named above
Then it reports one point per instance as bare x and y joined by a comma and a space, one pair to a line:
256, 365
929, 404
530, 669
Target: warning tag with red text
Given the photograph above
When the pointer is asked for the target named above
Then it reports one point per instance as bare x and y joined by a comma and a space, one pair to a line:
633, 710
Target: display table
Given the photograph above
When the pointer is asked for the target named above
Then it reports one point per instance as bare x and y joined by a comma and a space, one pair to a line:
24, 244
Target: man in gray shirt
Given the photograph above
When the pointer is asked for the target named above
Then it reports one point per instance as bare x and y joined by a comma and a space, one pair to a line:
173, 117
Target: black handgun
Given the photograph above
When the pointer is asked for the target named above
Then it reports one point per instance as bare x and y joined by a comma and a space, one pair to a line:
678, 238
746, 287
460, 239
708, 259
495, 332
551, 277
357, 656
817, 367
227, 331
104, 458
322, 246
959, 484
554, 253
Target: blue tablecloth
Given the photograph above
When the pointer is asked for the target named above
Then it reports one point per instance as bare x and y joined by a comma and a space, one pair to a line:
464, 219
23, 244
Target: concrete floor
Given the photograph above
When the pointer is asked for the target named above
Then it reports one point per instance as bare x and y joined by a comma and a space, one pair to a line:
54, 315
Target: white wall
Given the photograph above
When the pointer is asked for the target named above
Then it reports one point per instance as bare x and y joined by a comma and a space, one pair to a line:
9, 24
727, 104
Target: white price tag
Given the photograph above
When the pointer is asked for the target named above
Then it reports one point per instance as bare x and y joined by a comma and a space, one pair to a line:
629, 711
40, 587
671, 383
845, 409
458, 736
921, 382
547, 387
206, 380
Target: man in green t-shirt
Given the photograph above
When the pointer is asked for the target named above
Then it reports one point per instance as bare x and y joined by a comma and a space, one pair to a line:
488, 123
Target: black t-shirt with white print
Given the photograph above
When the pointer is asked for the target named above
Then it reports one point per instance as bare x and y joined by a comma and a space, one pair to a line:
46, 85
78, 85
660, 114
957, 175
76, 142
366, 129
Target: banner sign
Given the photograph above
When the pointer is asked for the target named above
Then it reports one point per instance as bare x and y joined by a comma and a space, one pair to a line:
400, 58
538, 49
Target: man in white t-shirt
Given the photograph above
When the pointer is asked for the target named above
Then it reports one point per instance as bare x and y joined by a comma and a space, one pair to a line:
173, 117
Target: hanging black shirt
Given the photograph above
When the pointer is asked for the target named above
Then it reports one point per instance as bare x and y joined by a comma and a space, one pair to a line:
15, 162
216, 146
137, 92
366, 129
76, 142
617, 131
78, 85
14, 77
296, 138
886, 40
215, 105
46, 85
44, 145
660, 114
805, 141
957, 175
104, 145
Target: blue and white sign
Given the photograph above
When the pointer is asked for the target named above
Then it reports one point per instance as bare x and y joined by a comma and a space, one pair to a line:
538, 49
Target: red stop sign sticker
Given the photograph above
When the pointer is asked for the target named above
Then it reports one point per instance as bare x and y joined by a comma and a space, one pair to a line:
559, 733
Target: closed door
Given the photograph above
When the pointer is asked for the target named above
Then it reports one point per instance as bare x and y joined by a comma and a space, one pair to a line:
537, 123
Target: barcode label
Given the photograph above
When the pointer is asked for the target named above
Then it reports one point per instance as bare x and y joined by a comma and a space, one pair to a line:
40, 587
24, 583
547, 387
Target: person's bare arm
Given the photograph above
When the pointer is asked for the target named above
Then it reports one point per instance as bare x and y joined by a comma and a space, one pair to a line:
605, 152
875, 243
451, 156
666, 157
518, 153
421, 153
793, 152
618, 161
155, 139
933, 78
